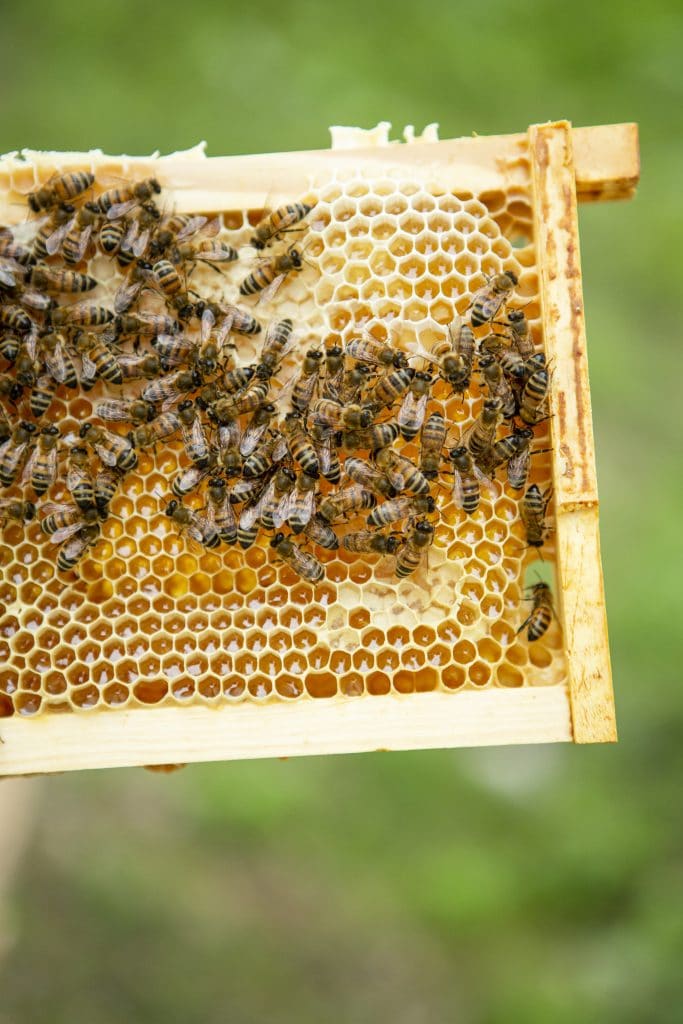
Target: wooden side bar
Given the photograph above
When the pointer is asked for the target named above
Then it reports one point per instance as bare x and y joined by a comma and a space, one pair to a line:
575, 487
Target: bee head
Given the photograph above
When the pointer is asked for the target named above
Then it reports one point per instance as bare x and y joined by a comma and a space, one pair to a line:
29, 511
277, 540
171, 507
85, 429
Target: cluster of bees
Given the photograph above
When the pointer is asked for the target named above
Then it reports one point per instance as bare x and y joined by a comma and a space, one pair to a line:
312, 461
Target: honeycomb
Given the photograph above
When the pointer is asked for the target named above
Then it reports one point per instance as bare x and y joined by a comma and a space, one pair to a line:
147, 619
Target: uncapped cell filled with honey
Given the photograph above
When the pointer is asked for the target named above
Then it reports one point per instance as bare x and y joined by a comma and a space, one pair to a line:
148, 619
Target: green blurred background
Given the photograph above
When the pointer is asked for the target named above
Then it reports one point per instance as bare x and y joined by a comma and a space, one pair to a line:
511, 885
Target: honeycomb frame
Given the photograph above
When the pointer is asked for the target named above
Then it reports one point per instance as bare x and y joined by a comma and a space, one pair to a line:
563, 164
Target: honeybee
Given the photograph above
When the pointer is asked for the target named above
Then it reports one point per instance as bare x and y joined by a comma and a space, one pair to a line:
532, 512
541, 613
488, 300
346, 502
189, 479
334, 372
407, 505
466, 480
204, 251
275, 344
77, 236
81, 314
147, 434
168, 278
228, 442
14, 450
273, 505
16, 318
497, 385
353, 384
513, 450
10, 388
58, 220
111, 235
219, 510
12, 273
57, 281
256, 427
126, 410
136, 241
117, 202
367, 541
145, 366
533, 396
111, 449
73, 548
9, 347
13, 511
511, 363
225, 410
369, 476
248, 523
239, 379
26, 366
323, 439
401, 472
139, 276
262, 459
222, 313
432, 440
520, 333
60, 189
41, 468
414, 406
106, 485
146, 324
63, 519
198, 527
412, 554
11, 249
171, 387
194, 438
303, 563
278, 222
301, 503
79, 482
97, 360
388, 389
479, 437
5, 426
340, 417
321, 534
300, 447
58, 361
305, 382
379, 435
271, 271
368, 350
453, 355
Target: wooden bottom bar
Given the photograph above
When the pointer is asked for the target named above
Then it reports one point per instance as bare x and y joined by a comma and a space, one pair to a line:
55, 743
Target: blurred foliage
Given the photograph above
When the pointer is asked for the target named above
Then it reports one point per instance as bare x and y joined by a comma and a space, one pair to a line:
484, 886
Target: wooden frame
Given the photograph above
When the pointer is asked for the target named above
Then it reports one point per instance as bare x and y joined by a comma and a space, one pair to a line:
591, 163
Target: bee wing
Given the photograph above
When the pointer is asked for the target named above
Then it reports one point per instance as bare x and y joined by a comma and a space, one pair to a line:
142, 242
196, 434
113, 409
54, 241
121, 209
73, 477
457, 489
193, 225
11, 272
229, 434
518, 467
423, 353
126, 296
270, 291
89, 369
51, 464
56, 365
28, 468
219, 253
207, 323
305, 508
250, 514
485, 482
83, 241
65, 532
412, 408
251, 437
50, 507
105, 456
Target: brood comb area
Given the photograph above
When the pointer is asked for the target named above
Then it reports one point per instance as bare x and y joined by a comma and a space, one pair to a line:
152, 613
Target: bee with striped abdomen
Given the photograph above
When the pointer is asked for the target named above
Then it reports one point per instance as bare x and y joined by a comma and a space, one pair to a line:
303, 563
271, 271
41, 468
379, 435
533, 397
301, 504
117, 202
145, 324
479, 437
228, 448
139, 277
220, 512
14, 450
488, 300
322, 534
265, 456
58, 361
213, 313
300, 446
454, 355
145, 366
405, 506
432, 440
106, 485
197, 526
325, 440
61, 519
532, 512
414, 406
73, 548
497, 385
388, 389
60, 189
57, 223
369, 542
520, 333
111, 449
80, 314
340, 417
276, 223
97, 360
275, 345
400, 472
541, 614
304, 385
273, 504
412, 555
466, 480
77, 238
369, 350
126, 410
60, 281
148, 434
258, 424
369, 476
194, 439
171, 387
346, 502
79, 481
225, 410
